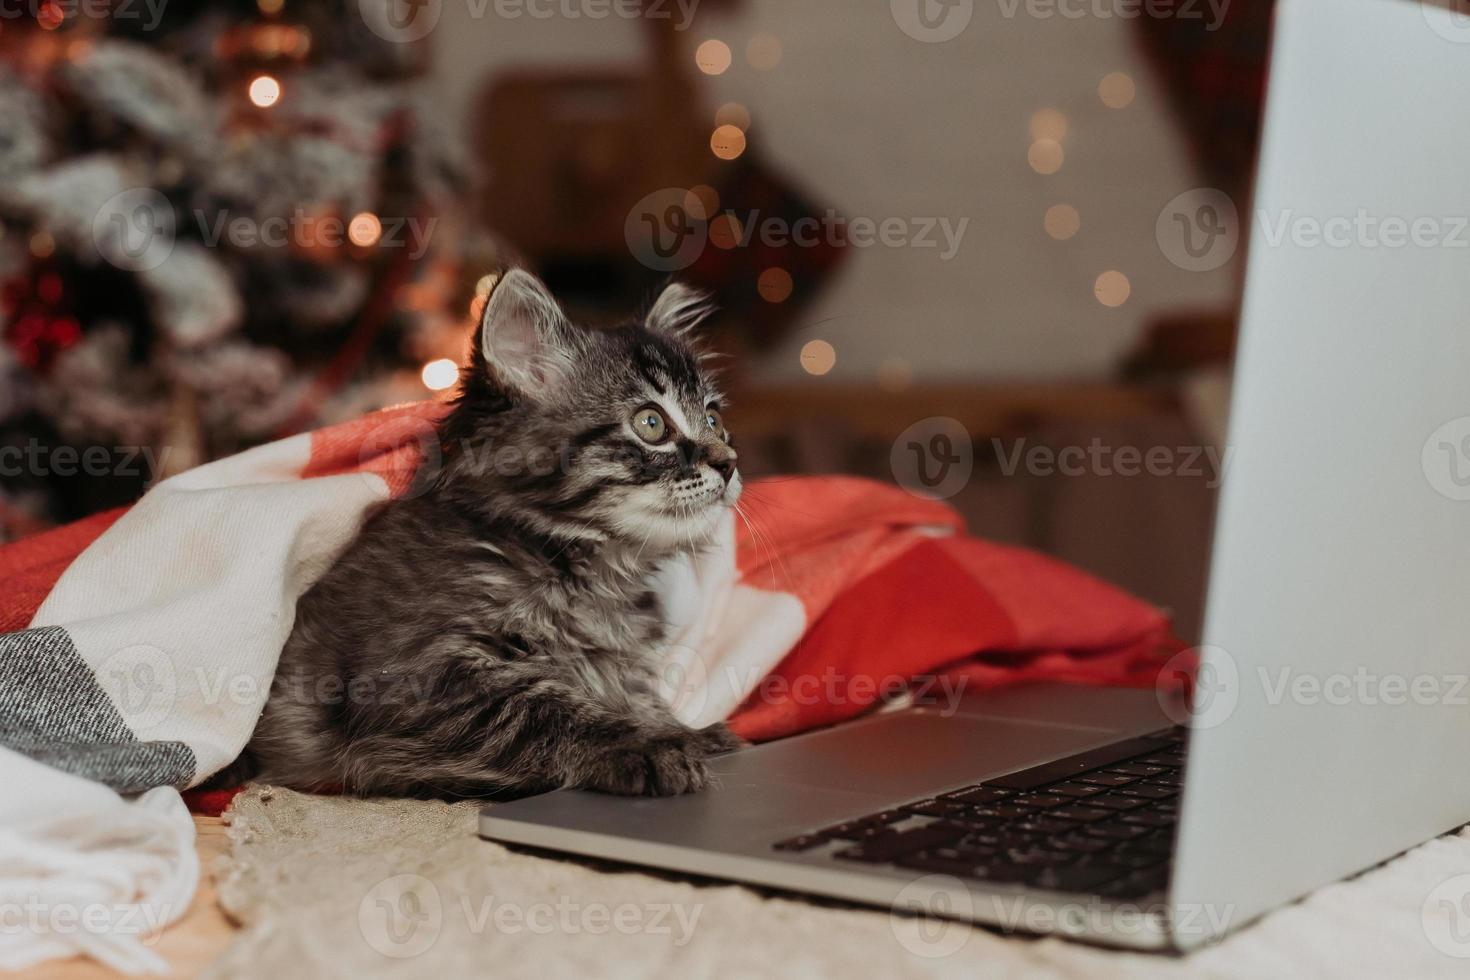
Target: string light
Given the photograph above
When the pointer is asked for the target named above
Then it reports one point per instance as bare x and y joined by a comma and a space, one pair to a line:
364, 229
725, 231
1045, 156
270, 6
712, 57
763, 52
439, 375
702, 201
1116, 90
774, 284
818, 357
1112, 288
1048, 124
733, 114
727, 142
265, 91
50, 15
1062, 221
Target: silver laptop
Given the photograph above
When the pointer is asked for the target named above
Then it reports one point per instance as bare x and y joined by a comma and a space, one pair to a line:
1331, 714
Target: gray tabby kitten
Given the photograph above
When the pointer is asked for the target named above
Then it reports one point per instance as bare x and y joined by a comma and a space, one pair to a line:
496, 631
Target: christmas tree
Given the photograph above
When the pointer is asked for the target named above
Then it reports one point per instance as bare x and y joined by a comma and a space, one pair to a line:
220, 223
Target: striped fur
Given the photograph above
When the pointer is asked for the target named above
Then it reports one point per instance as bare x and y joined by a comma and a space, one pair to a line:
495, 631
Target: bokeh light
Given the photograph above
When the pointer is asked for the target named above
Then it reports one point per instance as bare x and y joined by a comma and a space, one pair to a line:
439, 375
265, 91
1062, 221
1116, 90
1112, 288
364, 229
712, 57
733, 114
1048, 124
1045, 156
763, 52
818, 357
774, 284
727, 142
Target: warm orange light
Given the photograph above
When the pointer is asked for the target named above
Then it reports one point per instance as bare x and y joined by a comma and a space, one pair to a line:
1048, 124
763, 52
1112, 288
1045, 156
441, 374
364, 229
725, 231
702, 201
774, 284
265, 91
727, 142
1116, 90
1062, 221
733, 114
818, 357
712, 57
50, 16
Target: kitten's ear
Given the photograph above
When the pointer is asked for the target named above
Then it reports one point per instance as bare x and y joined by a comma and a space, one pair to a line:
525, 341
679, 309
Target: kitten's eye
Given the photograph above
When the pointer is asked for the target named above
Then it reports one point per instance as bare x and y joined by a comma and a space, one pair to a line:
649, 423
714, 418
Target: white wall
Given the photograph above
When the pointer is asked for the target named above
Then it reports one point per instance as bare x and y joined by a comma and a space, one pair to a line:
879, 125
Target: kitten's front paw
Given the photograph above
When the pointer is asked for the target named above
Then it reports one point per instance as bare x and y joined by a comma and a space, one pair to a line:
663, 765
717, 739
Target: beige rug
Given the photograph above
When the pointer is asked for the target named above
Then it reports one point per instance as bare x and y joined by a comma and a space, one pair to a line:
328, 886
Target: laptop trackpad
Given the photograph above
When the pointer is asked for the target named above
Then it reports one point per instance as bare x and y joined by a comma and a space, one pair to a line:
906, 754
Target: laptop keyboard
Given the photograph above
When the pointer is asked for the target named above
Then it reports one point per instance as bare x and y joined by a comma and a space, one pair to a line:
1100, 822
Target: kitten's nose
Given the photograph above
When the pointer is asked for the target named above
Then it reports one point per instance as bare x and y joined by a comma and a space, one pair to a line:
723, 465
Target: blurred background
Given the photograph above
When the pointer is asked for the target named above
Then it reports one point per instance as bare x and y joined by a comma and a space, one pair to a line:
983, 248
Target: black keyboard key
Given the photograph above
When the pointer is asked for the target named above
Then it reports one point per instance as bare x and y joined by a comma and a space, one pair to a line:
1043, 824
883, 850
1132, 860
1145, 792
857, 831
1075, 789
1115, 831
930, 861
1040, 800
1169, 760
1080, 812
1109, 779
1076, 878
1138, 769
1074, 765
1078, 844
801, 842
977, 795
933, 807
1113, 801
1149, 818
1001, 811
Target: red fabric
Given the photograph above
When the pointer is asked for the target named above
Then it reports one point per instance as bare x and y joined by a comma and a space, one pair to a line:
893, 593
